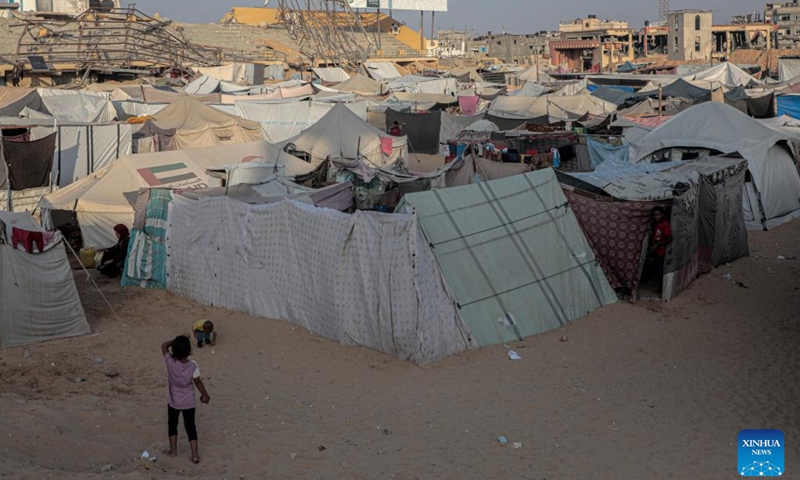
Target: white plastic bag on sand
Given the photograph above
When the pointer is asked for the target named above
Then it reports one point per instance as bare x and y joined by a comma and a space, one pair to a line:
512, 355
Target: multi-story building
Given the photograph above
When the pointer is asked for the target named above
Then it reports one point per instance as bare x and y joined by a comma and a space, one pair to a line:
589, 44
68, 7
508, 48
785, 15
689, 35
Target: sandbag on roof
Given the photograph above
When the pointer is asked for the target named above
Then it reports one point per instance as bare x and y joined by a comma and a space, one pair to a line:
513, 255
342, 136
40, 300
99, 199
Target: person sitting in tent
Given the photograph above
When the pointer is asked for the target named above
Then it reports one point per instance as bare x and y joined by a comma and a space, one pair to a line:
660, 237
396, 129
113, 260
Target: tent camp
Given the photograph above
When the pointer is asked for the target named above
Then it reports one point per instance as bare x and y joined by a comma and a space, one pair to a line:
365, 279
556, 107
343, 137
773, 184
103, 199
39, 298
614, 206
80, 107
513, 255
187, 124
204, 85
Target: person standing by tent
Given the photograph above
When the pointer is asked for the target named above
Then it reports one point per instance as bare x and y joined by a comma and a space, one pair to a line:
183, 376
113, 260
396, 129
660, 237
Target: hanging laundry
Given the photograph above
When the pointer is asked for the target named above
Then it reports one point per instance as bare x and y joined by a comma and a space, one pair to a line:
27, 239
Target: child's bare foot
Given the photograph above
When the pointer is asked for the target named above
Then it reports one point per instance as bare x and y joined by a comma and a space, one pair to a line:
195, 459
171, 453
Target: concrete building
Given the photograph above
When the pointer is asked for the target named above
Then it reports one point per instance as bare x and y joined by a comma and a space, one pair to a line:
689, 35
588, 44
785, 15
67, 7
518, 49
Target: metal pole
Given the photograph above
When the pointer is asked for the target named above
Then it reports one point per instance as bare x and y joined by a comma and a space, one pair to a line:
378, 26
421, 31
433, 21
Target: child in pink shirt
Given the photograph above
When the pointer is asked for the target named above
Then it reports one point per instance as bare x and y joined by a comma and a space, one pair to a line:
184, 375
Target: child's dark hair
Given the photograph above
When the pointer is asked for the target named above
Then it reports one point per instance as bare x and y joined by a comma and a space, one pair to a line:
658, 209
181, 347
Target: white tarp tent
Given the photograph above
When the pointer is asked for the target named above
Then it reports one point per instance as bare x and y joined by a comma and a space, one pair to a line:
331, 74
281, 121
100, 199
725, 74
364, 279
204, 85
342, 136
382, 70
80, 107
773, 193
788, 68
38, 297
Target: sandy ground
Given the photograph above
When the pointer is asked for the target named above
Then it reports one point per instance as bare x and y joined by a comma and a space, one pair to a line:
636, 391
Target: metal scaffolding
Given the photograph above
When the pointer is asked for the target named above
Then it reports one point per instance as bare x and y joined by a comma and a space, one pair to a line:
663, 11
120, 38
328, 32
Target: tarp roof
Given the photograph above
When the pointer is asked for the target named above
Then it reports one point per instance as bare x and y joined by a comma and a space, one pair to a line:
513, 255
331, 74
726, 74
382, 70
13, 100
80, 108
361, 85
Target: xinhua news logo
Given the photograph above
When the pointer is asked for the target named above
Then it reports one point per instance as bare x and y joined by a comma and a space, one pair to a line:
761, 453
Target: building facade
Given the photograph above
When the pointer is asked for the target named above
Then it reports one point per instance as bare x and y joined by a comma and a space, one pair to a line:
517, 49
689, 35
67, 7
785, 15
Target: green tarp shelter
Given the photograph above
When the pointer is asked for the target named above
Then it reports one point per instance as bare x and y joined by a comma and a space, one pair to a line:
513, 254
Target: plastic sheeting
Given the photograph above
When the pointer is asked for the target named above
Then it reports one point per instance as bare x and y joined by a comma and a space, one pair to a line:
452, 125
364, 279
40, 300
80, 108
29, 163
331, 74
599, 152
281, 121
382, 70
513, 254
789, 105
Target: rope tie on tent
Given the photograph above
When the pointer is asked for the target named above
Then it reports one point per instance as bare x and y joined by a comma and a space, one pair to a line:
89, 276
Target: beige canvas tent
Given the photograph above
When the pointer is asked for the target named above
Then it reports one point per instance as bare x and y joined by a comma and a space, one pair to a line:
100, 199
38, 297
342, 136
188, 124
359, 84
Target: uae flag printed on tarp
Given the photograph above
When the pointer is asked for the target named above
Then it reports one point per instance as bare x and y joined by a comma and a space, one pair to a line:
166, 174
